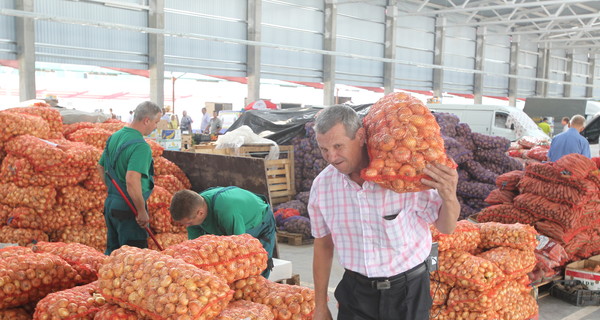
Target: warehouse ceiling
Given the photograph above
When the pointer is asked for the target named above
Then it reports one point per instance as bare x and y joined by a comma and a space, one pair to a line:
555, 24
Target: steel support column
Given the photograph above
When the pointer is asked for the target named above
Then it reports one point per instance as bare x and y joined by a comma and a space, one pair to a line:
513, 69
389, 68
329, 39
569, 76
25, 33
543, 65
438, 56
591, 79
479, 65
156, 53
254, 52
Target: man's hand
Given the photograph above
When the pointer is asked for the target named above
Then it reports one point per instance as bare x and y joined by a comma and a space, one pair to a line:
444, 180
143, 219
322, 313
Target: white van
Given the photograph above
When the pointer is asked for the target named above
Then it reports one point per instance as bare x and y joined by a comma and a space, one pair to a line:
493, 120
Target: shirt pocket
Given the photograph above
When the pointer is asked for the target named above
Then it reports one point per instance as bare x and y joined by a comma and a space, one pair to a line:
393, 228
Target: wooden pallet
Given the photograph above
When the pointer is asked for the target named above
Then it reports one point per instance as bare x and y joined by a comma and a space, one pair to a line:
294, 239
293, 281
542, 289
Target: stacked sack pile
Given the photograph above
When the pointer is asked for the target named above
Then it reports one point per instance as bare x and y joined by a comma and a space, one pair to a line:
560, 199
292, 216
530, 149
196, 279
308, 161
480, 160
56, 193
32, 276
482, 272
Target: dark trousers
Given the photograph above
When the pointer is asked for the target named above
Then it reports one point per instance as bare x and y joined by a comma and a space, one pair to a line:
407, 298
121, 226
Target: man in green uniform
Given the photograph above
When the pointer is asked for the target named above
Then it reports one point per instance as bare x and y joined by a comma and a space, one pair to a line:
127, 161
226, 211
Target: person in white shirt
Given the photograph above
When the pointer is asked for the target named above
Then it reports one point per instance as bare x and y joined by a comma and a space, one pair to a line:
205, 120
565, 122
130, 119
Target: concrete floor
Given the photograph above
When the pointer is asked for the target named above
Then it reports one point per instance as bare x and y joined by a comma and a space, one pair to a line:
301, 257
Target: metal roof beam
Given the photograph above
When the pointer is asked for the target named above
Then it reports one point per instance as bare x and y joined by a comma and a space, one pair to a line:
457, 9
499, 22
568, 40
569, 30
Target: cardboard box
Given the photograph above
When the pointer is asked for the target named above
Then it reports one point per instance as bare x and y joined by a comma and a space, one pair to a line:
170, 144
282, 269
170, 134
187, 139
154, 135
162, 125
575, 271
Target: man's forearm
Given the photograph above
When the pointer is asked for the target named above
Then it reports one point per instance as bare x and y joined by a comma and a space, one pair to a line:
134, 190
448, 215
102, 175
322, 259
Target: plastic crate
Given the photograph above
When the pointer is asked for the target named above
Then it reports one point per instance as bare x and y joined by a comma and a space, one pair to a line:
580, 298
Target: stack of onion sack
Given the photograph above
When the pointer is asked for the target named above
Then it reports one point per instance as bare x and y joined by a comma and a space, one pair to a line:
26, 277
308, 161
81, 302
243, 309
56, 194
482, 272
402, 138
45, 189
530, 149
285, 301
229, 258
480, 160
561, 199
158, 286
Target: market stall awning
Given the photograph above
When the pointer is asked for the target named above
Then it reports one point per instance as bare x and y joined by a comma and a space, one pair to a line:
242, 80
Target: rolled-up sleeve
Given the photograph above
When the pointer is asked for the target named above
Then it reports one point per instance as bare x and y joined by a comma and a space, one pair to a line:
429, 204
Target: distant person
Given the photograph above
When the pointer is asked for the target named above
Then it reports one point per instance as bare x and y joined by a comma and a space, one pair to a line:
571, 141
174, 122
165, 115
545, 126
52, 100
186, 122
215, 123
112, 114
205, 120
130, 118
565, 123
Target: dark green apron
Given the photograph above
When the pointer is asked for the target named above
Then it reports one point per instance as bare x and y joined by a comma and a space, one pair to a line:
264, 231
122, 228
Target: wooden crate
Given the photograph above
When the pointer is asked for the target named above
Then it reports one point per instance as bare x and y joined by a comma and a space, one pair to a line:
294, 239
280, 173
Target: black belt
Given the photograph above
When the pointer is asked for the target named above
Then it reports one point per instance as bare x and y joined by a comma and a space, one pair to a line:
386, 283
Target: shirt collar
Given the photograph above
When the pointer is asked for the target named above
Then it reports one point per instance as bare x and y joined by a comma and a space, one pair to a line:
348, 183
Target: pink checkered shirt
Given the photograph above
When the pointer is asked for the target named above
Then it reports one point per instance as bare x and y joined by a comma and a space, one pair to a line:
366, 242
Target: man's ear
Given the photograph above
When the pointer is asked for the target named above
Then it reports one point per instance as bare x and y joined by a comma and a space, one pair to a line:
361, 135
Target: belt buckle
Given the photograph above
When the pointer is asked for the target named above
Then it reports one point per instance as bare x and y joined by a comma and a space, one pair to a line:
383, 285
